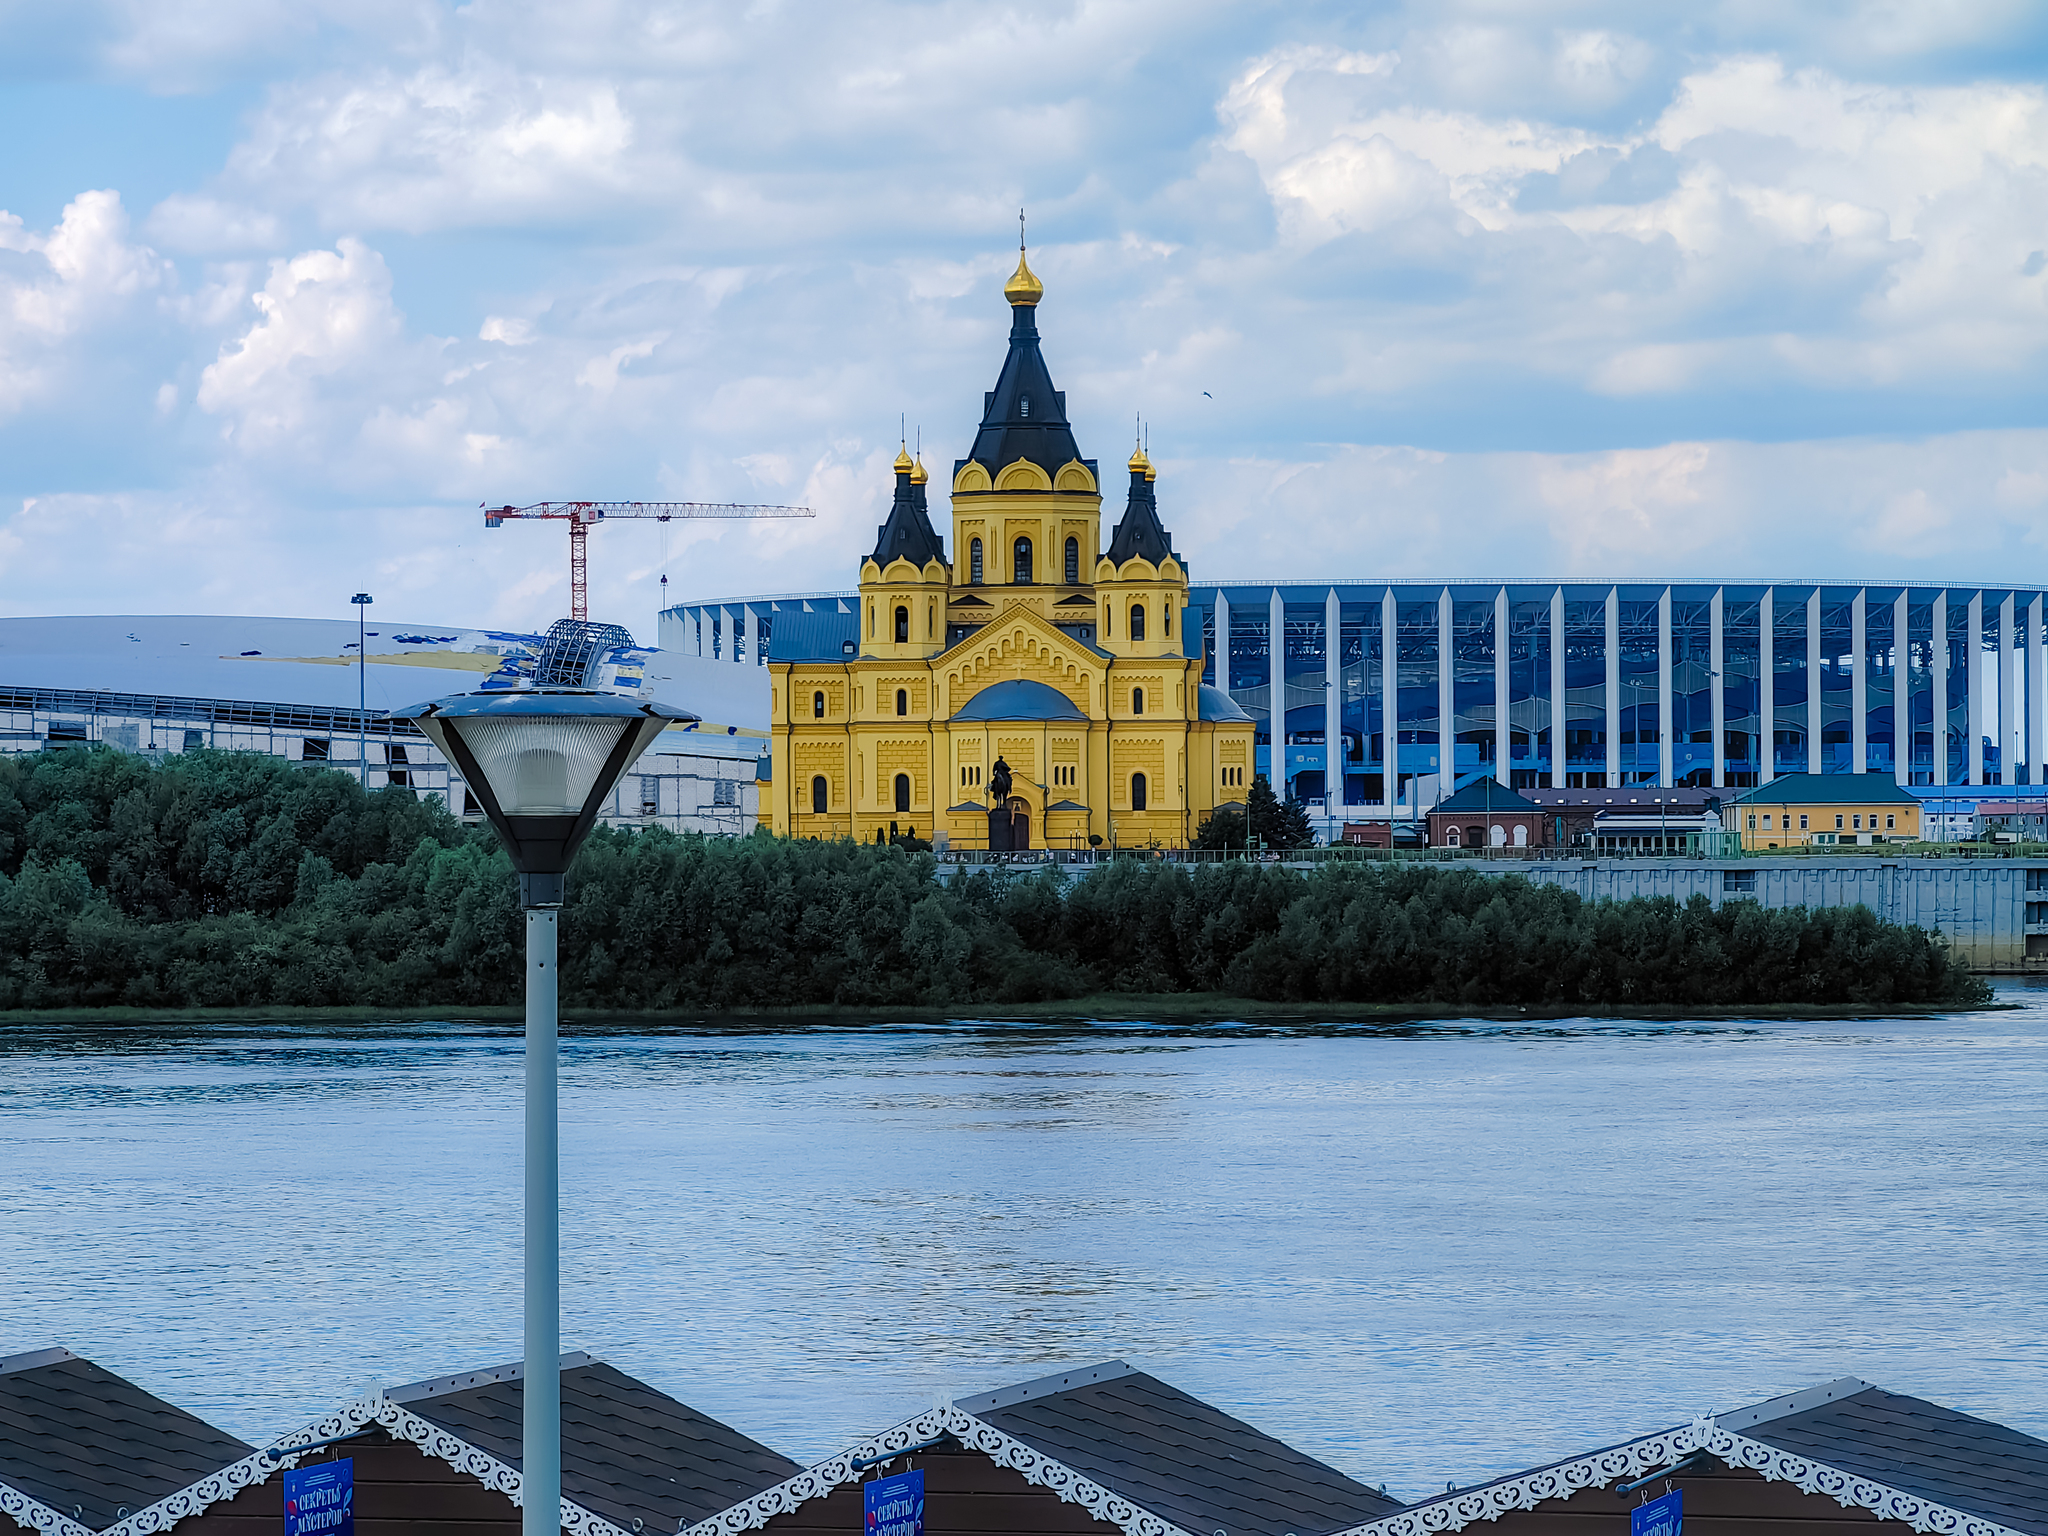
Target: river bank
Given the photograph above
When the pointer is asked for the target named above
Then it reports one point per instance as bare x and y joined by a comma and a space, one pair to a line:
1183, 1009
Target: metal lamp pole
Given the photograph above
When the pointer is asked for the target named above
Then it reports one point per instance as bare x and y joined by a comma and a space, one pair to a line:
362, 600
541, 762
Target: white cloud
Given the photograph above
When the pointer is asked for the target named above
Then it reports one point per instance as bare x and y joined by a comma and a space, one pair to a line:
509, 329
323, 312
209, 226
83, 275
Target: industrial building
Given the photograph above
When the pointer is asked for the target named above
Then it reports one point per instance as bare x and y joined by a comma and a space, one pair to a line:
301, 689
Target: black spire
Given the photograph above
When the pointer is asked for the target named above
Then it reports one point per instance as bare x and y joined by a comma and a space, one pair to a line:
908, 534
1024, 417
1139, 532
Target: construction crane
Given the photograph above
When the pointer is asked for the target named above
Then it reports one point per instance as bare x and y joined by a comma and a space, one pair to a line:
580, 515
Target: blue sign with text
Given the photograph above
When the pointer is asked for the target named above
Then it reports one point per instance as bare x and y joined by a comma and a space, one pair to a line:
895, 1505
320, 1500
1659, 1517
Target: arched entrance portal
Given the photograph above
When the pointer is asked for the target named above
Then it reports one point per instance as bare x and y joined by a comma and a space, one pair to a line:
1009, 826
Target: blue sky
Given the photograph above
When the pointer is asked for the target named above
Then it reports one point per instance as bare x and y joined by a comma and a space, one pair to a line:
1482, 287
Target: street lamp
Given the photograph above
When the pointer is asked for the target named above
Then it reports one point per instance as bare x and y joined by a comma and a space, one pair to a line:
362, 600
541, 762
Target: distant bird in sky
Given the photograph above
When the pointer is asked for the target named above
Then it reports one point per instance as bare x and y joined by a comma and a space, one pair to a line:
1207, 396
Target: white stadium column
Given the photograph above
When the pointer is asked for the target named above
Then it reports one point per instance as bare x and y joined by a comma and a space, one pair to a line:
2008, 714
1557, 710
1222, 641
1503, 764
1333, 705
2036, 695
1902, 694
1665, 734
1859, 690
1813, 681
1276, 692
1613, 688
1717, 701
1974, 674
1767, 688
1390, 701
1939, 731
1446, 698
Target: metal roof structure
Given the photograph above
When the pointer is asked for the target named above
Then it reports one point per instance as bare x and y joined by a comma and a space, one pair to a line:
81, 1448
1827, 789
1019, 698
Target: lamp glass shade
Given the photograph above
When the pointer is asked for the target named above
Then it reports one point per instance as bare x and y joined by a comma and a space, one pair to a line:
541, 765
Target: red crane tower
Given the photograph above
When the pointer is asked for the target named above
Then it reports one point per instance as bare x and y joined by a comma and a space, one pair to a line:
580, 515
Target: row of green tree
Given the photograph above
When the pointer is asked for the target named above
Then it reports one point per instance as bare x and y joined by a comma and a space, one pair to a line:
222, 879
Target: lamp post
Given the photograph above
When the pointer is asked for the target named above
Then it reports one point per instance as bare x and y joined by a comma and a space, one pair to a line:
362, 600
541, 762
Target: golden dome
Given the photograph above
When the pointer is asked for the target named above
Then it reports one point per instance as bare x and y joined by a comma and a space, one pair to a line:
1150, 472
917, 474
903, 464
1023, 289
1138, 462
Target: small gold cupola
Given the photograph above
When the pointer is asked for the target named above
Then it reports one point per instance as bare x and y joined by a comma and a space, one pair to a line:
1023, 290
904, 463
918, 476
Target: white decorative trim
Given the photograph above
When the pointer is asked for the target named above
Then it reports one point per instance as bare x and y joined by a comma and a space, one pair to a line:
1640, 1458
34, 1515
376, 1409
975, 1434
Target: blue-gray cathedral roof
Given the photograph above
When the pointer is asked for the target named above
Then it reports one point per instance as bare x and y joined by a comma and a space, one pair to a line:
908, 534
1139, 533
1024, 417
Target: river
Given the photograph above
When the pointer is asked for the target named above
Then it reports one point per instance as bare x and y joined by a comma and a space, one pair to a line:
1427, 1254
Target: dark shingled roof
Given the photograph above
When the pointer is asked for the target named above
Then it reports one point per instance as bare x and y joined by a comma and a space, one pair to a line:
1212, 703
1019, 698
628, 1451
1024, 417
75, 1436
1829, 789
1139, 533
1175, 1455
1483, 794
1917, 1447
908, 534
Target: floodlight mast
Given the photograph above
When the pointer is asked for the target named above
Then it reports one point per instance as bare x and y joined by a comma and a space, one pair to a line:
541, 763
580, 515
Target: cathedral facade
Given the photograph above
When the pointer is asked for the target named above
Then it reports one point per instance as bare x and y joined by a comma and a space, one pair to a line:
1038, 689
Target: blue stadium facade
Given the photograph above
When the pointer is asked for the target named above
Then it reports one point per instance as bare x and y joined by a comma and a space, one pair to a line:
1391, 694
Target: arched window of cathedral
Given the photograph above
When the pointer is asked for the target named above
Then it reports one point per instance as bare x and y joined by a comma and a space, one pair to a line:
818, 705
974, 563
1137, 792
871, 621
1137, 701
902, 701
1020, 570
1166, 619
821, 795
902, 791
903, 626
1073, 562
1024, 407
1137, 621
930, 618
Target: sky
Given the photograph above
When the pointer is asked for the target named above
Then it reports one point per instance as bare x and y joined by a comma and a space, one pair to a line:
1470, 288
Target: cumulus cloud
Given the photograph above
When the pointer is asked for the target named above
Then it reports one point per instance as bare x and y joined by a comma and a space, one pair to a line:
1572, 284
323, 313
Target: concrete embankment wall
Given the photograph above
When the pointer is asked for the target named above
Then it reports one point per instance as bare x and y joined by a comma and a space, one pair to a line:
1984, 907
1994, 911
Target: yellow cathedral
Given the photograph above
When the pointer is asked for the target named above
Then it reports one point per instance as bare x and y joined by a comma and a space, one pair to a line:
1035, 656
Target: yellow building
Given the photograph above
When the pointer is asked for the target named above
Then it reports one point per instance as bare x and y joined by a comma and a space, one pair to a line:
1035, 651
1797, 809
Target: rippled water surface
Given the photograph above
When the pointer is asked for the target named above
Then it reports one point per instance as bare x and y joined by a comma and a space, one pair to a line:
1426, 1255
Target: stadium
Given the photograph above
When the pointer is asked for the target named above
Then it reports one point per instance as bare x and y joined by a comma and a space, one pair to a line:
312, 691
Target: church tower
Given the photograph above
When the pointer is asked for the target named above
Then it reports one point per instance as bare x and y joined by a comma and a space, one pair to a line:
1141, 584
1027, 512
903, 583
